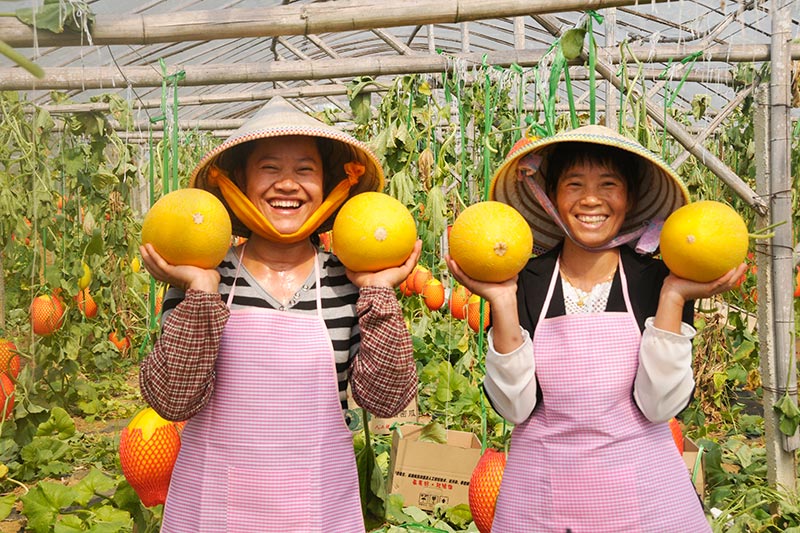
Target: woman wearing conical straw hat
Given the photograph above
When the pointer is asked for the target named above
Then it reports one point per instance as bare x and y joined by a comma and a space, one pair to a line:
257, 353
590, 349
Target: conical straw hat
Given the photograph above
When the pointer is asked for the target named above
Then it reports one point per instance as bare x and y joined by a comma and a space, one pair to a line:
278, 118
661, 190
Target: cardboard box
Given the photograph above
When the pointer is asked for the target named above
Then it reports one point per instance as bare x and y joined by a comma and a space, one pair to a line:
377, 425
427, 474
695, 462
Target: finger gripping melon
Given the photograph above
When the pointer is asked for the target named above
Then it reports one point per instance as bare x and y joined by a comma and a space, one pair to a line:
491, 241
188, 227
703, 240
373, 231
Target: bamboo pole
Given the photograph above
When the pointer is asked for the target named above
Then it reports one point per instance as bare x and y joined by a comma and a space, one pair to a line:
298, 19
392, 41
336, 89
781, 464
81, 78
781, 211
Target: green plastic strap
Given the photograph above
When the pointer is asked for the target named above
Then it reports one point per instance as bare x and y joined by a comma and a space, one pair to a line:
164, 153
573, 115
487, 129
670, 94
520, 99
484, 422
463, 134
697, 463
621, 74
592, 73
549, 105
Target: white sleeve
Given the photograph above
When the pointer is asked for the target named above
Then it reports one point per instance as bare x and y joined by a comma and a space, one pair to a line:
510, 382
664, 380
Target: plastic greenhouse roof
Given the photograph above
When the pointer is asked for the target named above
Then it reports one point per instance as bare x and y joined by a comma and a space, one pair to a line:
661, 34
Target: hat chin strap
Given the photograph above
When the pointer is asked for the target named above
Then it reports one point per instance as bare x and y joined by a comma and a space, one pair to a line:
255, 220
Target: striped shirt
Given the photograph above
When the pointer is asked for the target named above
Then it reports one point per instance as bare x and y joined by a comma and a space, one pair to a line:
372, 347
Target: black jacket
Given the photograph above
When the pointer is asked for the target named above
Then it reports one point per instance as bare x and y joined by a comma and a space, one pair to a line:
645, 276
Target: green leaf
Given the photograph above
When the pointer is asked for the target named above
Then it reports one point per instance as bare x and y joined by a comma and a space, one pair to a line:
572, 43
459, 515
69, 524
360, 106
790, 414
743, 350
371, 501
59, 425
109, 519
55, 15
433, 432
6, 505
418, 515
737, 373
394, 509
43, 504
95, 482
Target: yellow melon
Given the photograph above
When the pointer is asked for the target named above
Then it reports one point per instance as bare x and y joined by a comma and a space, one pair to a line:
703, 240
490, 241
188, 227
373, 231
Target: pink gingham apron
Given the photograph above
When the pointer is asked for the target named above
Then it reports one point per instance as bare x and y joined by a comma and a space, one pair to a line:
587, 460
271, 451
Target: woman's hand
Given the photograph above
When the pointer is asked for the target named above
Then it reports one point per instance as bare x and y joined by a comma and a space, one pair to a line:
675, 292
492, 292
181, 276
390, 277
695, 290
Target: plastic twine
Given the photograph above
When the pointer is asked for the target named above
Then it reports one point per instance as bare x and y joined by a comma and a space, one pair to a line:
593, 15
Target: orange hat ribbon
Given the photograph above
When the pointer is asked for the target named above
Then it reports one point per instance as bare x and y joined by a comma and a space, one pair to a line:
255, 220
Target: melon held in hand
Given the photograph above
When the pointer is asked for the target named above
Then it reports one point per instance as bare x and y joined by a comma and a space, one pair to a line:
491, 241
703, 240
373, 231
188, 227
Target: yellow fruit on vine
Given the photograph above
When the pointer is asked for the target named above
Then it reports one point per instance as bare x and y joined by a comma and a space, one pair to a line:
188, 227
136, 265
86, 279
373, 231
703, 240
491, 241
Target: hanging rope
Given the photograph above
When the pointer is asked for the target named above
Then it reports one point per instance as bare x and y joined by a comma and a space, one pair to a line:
169, 172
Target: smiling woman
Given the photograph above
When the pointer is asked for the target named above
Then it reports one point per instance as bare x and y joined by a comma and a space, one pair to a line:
590, 350
277, 327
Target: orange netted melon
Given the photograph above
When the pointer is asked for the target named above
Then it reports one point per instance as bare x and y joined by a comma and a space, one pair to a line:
373, 231
148, 449
484, 486
188, 227
490, 241
703, 240
47, 314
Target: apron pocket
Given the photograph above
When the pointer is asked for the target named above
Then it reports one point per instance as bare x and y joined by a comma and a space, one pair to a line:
262, 500
595, 495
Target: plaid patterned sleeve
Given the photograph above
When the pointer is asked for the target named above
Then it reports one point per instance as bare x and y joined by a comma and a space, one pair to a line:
177, 377
383, 374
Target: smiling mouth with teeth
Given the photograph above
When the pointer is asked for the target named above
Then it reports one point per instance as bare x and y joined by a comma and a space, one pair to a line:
594, 219
285, 204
